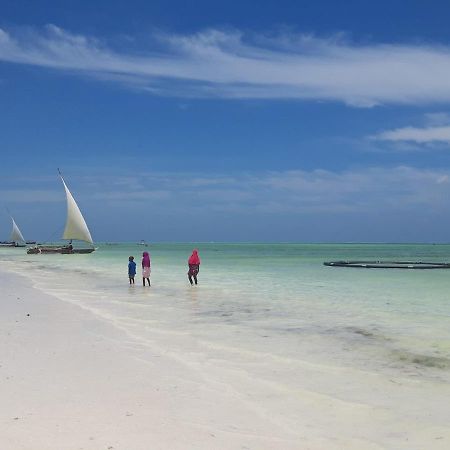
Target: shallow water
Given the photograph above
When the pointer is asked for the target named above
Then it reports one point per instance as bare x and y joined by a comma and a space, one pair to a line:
278, 299
358, 357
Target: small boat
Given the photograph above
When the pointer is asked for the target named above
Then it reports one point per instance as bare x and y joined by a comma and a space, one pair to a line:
7, 244
16, 239
76, 229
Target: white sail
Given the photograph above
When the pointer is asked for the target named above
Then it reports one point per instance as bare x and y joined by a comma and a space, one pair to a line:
76, 227
16, 235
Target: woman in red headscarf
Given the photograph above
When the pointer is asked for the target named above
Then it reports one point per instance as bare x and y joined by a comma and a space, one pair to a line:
145, 268
194, 266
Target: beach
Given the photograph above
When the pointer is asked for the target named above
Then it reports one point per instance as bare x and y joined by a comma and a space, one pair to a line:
291, 356
70, 380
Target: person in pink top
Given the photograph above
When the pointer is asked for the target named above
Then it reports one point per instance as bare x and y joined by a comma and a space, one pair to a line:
194, 267
145, 268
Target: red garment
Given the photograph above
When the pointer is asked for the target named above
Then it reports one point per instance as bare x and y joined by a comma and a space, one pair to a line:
194, 258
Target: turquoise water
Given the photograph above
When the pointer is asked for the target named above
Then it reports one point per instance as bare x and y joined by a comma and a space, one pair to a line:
276, 297
350, 358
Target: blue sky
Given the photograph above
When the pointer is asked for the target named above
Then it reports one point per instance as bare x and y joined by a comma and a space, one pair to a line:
261, 121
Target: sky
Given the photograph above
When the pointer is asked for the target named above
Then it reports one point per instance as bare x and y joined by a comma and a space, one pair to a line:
291, 121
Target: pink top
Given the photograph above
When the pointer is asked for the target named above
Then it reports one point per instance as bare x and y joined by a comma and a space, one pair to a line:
145, 259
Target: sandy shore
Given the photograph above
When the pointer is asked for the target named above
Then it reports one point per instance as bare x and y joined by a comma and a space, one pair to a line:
73, 379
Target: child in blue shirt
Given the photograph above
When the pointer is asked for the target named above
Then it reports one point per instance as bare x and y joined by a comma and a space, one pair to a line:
131, 269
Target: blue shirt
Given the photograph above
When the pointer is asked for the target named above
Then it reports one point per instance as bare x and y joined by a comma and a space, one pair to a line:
132, 268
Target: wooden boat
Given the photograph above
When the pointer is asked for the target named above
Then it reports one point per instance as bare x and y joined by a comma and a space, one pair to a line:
75, 229
7, 244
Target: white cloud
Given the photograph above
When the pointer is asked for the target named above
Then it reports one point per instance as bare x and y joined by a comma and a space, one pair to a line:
417, 135
234, 65
435, 132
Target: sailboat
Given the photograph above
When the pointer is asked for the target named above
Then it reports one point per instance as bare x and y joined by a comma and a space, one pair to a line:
16, 235
76, 229
16, 239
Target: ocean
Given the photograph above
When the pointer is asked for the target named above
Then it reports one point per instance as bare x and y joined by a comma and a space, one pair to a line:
274, 314
280, 294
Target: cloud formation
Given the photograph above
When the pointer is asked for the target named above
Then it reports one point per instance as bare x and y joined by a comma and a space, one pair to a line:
288, 192
417, 135
435, 131
231, 64
316, 191
355, 204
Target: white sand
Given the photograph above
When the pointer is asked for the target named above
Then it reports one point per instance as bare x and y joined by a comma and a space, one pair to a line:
72, 380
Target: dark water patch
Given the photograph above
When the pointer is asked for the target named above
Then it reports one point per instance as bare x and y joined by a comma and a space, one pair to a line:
341, 333
212, 313
296, 330
236, 315
49, 267
418, 359
367, 334
222, 316
354, 332
362, 332
81, 271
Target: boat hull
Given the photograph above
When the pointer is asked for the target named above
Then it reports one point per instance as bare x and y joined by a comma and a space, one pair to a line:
83, 250
11, 244
58, 250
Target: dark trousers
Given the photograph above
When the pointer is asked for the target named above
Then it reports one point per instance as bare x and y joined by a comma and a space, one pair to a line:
192, 274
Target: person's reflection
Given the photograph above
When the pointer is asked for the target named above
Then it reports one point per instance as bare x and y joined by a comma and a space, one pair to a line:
193, 297
131, 290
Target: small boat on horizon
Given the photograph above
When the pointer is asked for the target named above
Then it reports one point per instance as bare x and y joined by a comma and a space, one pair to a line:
75, 229
16, 239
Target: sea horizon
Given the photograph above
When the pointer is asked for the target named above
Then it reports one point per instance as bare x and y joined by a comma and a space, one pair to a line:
257, 242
